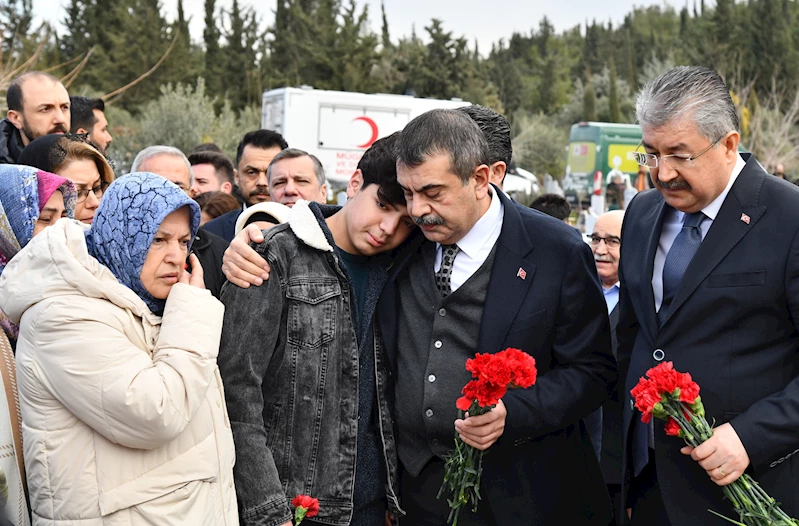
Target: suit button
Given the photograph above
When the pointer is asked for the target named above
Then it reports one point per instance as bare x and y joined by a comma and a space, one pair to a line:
435, 441
442, 312
429, 413
438, 344
658, 355
431, 378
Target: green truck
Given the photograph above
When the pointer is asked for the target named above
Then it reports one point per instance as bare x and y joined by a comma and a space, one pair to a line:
594, 149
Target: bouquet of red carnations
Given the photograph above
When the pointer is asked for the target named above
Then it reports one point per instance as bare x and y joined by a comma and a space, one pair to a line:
493, 375
673, 396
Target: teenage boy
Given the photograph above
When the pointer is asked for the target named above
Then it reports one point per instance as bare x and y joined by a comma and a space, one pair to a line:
304, 371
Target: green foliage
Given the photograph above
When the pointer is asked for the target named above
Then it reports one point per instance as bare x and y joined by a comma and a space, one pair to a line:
540, 77
182, 117
539, 143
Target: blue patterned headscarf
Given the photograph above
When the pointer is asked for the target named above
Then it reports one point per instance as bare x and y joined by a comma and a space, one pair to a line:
24, 190
132, 209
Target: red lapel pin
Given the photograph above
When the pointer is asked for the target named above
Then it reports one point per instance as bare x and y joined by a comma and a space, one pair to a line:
745, 218
521, 274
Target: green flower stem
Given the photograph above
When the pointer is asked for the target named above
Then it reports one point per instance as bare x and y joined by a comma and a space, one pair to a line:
462, 469
752, 504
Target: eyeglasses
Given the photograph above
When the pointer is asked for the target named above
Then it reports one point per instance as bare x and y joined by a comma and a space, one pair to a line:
610, 241
98, 191
676, 160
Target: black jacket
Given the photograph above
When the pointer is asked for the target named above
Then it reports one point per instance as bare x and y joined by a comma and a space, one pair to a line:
209, 249
10, 143
733, 325
224, 226
543, 469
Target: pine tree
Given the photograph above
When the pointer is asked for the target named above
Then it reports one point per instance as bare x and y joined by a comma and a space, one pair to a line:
235, 67
385, 39
613, 94
213, 52
589, 102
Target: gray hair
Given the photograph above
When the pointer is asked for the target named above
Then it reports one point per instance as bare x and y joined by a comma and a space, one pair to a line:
448, 132
295, 153
155, 151
693, 92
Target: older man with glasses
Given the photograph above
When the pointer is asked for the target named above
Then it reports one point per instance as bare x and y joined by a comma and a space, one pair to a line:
604, 425
709, 280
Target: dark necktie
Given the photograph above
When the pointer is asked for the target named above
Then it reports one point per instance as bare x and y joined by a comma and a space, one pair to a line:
444, 274
680, 255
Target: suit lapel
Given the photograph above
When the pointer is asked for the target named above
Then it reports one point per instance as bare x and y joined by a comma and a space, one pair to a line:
737, 216
655, 218
506, 288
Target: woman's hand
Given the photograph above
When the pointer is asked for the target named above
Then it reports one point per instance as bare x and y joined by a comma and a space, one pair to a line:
195, 277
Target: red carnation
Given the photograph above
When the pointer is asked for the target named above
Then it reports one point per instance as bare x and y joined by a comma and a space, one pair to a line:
304, 506
478, 364
664, 376
521, 366
689, 390
646, 395
463, 403
673, 428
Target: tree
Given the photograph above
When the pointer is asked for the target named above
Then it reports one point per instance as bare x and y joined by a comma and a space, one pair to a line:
15, 24
613, 96
589, 102
213, 52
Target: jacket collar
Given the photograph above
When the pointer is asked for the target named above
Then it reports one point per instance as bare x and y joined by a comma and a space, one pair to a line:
307, 221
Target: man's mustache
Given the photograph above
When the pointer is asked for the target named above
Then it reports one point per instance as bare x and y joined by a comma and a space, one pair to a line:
603, 259
59, 128
428, 220
676, 184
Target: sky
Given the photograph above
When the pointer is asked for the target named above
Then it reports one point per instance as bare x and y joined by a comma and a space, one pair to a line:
468, 18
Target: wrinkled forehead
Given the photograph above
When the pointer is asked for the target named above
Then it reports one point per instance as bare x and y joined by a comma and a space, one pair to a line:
677, 135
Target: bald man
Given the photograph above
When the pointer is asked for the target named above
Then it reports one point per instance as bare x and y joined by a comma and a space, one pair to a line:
606, 246
38, 105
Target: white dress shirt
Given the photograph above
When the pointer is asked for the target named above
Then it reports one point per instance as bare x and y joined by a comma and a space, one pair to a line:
672, 225
476, 245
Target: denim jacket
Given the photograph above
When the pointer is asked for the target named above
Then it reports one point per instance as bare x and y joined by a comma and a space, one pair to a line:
289, 362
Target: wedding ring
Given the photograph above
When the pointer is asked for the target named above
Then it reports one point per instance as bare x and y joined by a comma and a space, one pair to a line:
721, 471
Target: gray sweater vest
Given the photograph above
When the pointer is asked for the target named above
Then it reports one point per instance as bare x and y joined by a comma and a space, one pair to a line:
436, 336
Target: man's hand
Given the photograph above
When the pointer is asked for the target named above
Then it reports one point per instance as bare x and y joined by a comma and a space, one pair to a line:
723, 456
482, 431
241, 264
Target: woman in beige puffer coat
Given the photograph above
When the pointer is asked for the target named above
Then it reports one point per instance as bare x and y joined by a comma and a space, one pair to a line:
124, 418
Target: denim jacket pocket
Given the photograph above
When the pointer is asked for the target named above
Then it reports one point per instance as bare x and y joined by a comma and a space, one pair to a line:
312, 310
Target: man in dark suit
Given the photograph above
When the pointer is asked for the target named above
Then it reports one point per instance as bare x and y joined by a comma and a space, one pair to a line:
606, 246
491, 275
709, 281
255, 151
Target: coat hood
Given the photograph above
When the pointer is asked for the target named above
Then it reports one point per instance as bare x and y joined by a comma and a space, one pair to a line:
57, 263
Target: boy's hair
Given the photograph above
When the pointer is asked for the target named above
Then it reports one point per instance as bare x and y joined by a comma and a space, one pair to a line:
552, 205
379, 166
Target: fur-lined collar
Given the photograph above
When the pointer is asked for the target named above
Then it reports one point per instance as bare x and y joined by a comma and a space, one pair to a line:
305, 225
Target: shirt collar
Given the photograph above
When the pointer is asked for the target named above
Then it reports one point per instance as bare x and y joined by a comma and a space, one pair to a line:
611, 289
712, 210
481, 232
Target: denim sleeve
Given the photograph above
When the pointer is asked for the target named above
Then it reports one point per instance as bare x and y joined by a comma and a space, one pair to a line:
253, 333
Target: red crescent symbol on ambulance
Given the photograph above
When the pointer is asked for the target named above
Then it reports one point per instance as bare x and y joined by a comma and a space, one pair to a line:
372, 125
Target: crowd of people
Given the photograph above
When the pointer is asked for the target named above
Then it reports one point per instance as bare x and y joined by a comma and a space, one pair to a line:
200, 340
